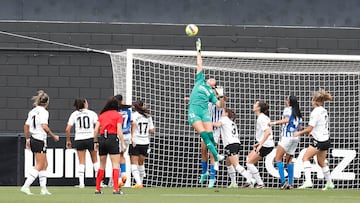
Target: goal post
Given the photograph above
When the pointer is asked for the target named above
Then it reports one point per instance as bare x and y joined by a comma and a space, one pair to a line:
163, 78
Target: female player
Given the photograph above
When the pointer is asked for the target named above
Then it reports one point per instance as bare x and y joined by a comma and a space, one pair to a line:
125, 111
215, 113
109, 125
198, 113
264, 140
319, 129
141, 126
84, 121
291, 122
230, 138
36, 130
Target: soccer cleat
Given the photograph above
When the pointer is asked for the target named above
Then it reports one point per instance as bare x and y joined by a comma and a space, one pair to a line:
102, 184
289, 187
98, 192
26, 190
80, 186
119, 192
138, 186
233, 185
198, 45
122, 181
220, 157
329, 186
306, 184
211, 183
260, 186
203, 177
284, 186
45, 192
247, 185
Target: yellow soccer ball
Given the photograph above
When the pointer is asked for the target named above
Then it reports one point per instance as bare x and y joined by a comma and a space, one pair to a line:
191, 30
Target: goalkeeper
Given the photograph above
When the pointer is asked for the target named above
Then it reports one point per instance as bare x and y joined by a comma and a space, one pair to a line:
198, 113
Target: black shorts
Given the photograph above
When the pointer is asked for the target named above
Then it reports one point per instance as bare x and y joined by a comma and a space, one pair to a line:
321, 146
232, 149
37, 146
108, 145
139, 150
265, 151
87, 144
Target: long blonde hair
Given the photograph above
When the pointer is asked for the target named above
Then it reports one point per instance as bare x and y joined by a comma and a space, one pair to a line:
321, 96
41, 99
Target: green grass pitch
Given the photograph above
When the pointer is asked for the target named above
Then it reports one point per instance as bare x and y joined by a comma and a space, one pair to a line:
183, 195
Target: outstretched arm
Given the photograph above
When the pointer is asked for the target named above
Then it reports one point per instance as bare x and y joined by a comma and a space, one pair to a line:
199, 58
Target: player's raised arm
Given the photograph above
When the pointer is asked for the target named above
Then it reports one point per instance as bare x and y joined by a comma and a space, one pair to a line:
199, 58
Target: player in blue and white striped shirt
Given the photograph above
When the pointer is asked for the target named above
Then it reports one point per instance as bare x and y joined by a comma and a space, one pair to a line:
215, 113
291, 122
125, 111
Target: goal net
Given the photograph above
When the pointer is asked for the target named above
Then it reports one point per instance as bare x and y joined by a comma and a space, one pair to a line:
163, 78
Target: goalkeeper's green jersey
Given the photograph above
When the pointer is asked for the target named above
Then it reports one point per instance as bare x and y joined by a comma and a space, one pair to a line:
202, 93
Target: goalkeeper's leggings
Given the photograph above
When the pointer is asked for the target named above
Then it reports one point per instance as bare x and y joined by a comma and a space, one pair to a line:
209, 141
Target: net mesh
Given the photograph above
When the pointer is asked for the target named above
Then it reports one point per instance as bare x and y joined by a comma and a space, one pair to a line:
163, 81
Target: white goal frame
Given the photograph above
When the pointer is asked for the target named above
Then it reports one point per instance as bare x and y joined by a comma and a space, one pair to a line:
126, 88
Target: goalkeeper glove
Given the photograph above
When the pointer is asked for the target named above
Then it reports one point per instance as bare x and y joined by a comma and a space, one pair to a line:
198, 45
220, 91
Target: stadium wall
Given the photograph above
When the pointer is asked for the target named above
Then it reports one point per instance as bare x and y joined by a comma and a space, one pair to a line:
329, 13
27, 66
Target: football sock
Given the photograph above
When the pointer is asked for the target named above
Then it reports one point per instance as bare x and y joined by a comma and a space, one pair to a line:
243, 172
307, 170
135, 173
232, 174
42, 179
115, 177
81, 174
142, 172
280, 166
99, 178
123, 168
255, 173
205, 136
212, 171
33, 174
290, 168
204, 166
326, 171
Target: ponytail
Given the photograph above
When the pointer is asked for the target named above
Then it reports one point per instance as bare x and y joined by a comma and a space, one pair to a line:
41, 99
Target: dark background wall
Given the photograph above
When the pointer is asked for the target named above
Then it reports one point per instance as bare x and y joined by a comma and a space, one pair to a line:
27, 66
330, 13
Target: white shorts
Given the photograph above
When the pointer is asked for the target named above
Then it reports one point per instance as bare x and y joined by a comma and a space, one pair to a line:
289, 144
217, 132
127, 140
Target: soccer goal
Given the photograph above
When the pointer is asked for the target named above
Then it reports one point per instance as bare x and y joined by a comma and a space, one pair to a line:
163, 78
